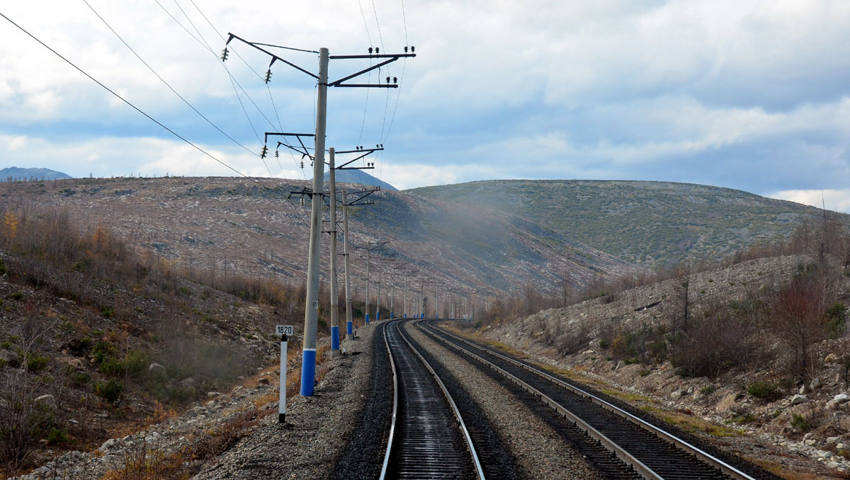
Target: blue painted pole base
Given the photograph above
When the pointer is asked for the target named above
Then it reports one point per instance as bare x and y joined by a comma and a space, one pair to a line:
377, 316
349, 328
308, 372
405, 315
391, 315
436, 316
334, 338
367, 319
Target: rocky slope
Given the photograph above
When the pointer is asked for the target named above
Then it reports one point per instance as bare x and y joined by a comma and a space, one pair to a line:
761, 413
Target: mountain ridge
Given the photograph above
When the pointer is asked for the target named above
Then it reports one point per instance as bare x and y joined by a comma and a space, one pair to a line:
647, 223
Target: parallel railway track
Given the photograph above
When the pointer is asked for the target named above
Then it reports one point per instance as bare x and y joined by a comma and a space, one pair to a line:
644, 449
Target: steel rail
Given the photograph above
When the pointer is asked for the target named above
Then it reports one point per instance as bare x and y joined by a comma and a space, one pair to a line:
478, 468
395, 408
662, 434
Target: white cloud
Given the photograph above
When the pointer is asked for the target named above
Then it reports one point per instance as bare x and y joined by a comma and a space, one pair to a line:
17, 143
836, 200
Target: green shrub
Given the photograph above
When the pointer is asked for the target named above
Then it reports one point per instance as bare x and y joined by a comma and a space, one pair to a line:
113, 367
764, 390
80, 378
109, 390
800, 423
106, 311
136, 363
3, 267
36, 362
102, 350
16, 296
836, 317
708, 389
57, 436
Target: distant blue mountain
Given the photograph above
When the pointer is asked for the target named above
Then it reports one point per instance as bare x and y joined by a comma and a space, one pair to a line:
362, 178
15, 173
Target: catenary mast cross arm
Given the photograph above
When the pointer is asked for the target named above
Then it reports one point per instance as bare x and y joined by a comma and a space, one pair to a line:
274, 57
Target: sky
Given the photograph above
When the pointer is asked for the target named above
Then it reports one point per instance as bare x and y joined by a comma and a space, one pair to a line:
751, 95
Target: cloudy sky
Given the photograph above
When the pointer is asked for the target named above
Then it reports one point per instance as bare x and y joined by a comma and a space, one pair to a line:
753, 95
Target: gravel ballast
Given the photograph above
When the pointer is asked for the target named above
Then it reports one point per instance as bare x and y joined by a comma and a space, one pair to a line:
318, 428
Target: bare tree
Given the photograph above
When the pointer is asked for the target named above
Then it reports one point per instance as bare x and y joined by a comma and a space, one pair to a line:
798, 320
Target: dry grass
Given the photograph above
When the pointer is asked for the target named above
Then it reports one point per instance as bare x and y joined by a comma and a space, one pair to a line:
143, 463
691, 423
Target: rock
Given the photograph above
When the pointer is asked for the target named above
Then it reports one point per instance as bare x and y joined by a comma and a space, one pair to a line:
811, 442
47, 400
798, 399
157, 369
802, 389
213, 394
815, 383
263, 381
841, 398
841, 446
676, 395
831, 358
833, 439
619, 365
726, 403
9, 358
697, 395
827, 454
109, 445
188, 382
151, 437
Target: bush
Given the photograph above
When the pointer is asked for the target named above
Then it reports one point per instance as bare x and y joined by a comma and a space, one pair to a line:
708, 389
102, 350
36, 362
113, 367
3, 268
57, 436
80, 378
836, 319
765, 390
800, 423
136, 363
110, 391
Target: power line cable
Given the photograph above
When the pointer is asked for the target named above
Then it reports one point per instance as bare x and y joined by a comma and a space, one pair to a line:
123, 99
163, 80
134, 107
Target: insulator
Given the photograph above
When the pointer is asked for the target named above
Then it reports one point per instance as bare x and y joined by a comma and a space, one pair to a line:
224, 54
405, 49
395, 79
388, 79
370, 50
412, 49
276, 154
268, 76
264, 152
302, 164
377, 50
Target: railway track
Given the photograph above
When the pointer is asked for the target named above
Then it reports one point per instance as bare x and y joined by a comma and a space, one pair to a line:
428, 438
644, 449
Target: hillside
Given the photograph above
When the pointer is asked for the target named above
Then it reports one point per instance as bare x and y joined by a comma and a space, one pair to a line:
15, 173
361, 178
645, 223
222, 225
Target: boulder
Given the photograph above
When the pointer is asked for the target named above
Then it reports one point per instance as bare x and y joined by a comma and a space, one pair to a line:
798, 399
676, 395
47, 400
726, 403
815, 383
841, 398
10, 358
263, 381
156, 369
188, 382
831, 358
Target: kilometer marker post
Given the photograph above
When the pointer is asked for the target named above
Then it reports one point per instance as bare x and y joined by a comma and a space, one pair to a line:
281, 411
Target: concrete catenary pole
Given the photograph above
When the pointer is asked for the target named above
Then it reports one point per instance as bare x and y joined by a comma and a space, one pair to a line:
349, 320
368, 261
311, 311
392, 295
378, 296
334, 283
